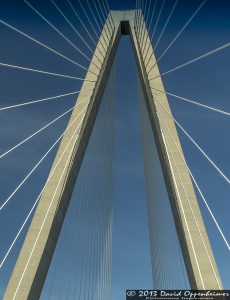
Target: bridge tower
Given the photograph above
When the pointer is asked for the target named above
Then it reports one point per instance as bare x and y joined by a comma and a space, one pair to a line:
35, 257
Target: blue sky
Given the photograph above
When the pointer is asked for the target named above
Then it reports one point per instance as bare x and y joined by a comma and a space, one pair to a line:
206, 81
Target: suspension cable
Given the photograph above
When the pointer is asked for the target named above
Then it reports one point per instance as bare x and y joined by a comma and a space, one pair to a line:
75, 30
140, 18
147, 19
61, 34
193, 141
98, 26
35, 133
107, 4
142, 21
166, 23
150, 25
179, 33
84, 26
158, 18
100, 19
45, 46
43, 99
95, 32
194, 60
44, 72
107, 15
193, 102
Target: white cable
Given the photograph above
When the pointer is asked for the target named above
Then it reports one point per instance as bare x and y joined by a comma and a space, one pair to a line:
38, 198
42, 100
33, 169
209, 209
74, 29
59, 32
193, 102
36, 132
88, 19
98, 26
166, 23
179, 33
145, 27
149, 26
84, 26
107, 4
198, 188
104, 24
158, 18
82, 23
43, 72
92, 26
106, 15
194, 60
45, 46
142, 23
198, 147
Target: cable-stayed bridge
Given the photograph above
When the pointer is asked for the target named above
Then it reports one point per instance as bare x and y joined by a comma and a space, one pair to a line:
63, 226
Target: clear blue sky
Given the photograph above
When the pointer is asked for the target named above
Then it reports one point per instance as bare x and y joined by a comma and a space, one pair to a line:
206, 81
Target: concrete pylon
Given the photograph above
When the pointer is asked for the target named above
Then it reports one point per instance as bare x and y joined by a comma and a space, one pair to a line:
35, 257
